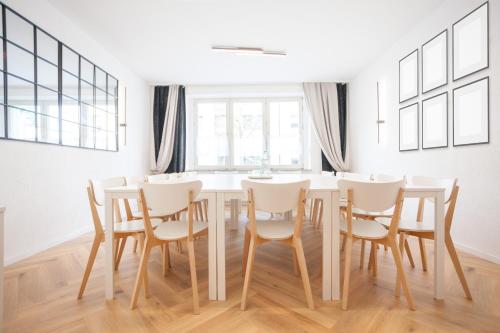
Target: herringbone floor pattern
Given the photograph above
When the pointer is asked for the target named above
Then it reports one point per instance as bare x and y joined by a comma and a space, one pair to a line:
40, 294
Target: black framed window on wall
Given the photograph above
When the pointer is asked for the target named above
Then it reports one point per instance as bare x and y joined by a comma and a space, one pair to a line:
51, 94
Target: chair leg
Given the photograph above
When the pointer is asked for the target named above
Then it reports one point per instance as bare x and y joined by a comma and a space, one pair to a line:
347, 271
194, 280
179, 247
423, 253
342, 248
374, 253
134, 249
166, 258
320, 214
295, 263
458, 267
90, 264
141, 272
314, 218
120, 252
248, 273
408, 253
246, 245
301, 261
141, 242
362, 256
401, 277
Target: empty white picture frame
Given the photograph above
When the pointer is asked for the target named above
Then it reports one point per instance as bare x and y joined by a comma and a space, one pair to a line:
471, 43
471, 113
435, 121
435, 62
408, 128
408, 77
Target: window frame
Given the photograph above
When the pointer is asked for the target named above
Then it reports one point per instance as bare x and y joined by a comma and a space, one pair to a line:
266, 101
111, 144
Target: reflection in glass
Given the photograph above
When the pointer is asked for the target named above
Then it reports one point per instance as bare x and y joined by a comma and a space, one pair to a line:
87, 136
21, 124
101, 119
285, 140
100, 139
100, 79
70, 133
19, 30
111, 121
211, 144
69, 85
48, 129
87, 115
2, 120
46, 46
248, 133
100, 99
21, 63
70, 110
47, 74
112, 86
20, 93
48, 103
2, 101
70, 61
87, 71
87, 93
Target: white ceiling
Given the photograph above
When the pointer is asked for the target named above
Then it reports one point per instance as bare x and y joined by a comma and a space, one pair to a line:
168, 41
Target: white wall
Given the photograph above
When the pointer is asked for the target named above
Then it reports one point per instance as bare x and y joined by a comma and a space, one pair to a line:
43, 186
476, 225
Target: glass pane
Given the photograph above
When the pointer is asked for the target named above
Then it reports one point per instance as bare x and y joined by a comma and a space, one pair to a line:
48, 102
111, 104
70, 133
47, 74
212, 145
70, 110
1, 24
100, 79
2, 101
19, 31
70, 61
87, 71
46, 46
111, 140
112, 86
248, 133
69, 85
100, 99
48, 129
111, 122
2, 120
21, 63
20, 93
87, 136
101, 119
87, 115
87, 93
100, 139
21, 124
285, 143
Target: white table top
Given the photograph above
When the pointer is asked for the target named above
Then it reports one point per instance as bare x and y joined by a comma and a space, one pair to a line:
232, 183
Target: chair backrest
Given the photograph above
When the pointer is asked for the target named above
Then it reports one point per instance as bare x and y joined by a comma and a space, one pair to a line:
275, 197
98, 187
447, 183
135, 180
372, 196
161, 177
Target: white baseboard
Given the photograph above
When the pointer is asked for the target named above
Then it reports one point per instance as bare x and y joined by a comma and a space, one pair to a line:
42, 247
477, 253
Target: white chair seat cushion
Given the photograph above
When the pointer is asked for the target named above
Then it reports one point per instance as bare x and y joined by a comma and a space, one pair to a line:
134, 226
275, 229
174, 230
408, 225
364, 229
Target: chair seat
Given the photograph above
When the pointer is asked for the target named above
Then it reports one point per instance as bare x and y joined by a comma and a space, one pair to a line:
152, 214
364, 229
275, 229
175, 230
134, 226
408, 225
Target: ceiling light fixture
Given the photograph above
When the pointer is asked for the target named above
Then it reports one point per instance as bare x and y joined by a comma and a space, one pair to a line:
247, 50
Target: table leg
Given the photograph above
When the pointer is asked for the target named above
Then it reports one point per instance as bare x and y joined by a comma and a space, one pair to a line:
327, 245
212, 246
335, 217
221, 248
109, 253
439, 248
235, 208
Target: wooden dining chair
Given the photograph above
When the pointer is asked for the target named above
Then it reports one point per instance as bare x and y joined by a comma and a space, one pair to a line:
122, 229
373, 197
275, 198
170, 198
425, 230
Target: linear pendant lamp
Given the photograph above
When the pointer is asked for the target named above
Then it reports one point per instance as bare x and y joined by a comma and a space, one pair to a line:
247, 51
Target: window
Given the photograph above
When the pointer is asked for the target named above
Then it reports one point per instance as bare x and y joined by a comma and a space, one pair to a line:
51, 94
236, 134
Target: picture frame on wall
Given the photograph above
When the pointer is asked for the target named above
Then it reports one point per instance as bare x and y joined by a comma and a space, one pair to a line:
471, 113
435, 121
471, 43
435, 62
408, 77
409, 128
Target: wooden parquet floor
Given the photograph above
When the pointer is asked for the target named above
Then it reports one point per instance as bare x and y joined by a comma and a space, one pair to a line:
40, 294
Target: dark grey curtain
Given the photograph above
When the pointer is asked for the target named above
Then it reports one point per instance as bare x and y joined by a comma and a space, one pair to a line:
342, 102
178, 162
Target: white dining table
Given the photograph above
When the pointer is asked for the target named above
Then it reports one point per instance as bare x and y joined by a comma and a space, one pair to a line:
219, 188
